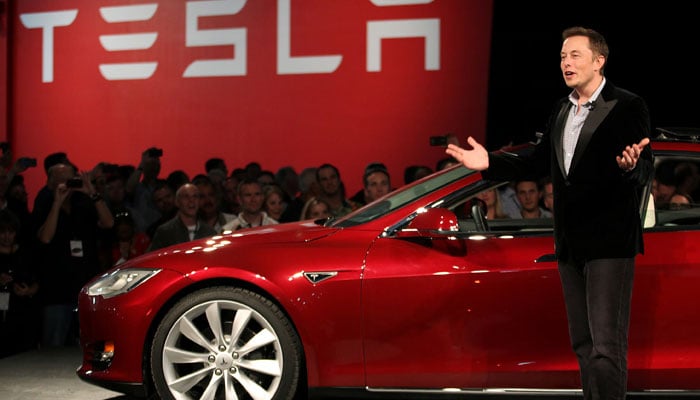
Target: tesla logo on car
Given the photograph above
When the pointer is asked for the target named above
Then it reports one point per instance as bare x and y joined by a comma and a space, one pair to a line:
316, 277
426, 28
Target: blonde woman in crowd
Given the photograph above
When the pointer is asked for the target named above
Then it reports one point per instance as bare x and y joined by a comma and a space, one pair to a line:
274, 204
492, 199
315, 208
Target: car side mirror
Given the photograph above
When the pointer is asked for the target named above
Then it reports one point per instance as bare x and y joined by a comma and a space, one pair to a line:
435, 228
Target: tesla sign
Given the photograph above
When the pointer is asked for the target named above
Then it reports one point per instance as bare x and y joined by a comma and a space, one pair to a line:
280, 82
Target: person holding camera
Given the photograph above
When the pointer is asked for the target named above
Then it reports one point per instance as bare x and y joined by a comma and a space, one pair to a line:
141, 184
69, 223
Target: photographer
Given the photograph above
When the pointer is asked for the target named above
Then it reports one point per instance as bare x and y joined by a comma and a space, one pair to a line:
69, 223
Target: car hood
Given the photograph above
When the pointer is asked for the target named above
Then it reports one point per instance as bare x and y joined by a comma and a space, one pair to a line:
293, 232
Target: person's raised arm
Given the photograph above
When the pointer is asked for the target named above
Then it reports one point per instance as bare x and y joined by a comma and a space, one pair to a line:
476, 158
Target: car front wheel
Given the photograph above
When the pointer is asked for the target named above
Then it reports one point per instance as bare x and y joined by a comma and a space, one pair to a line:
225, 343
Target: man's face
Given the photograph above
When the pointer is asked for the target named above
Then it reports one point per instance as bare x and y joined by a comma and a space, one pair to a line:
250, 197
528, 195
187, 200
578, 64
328, 179
549, 196
207, 200
60, 173
115, 191
377, 185
164, 200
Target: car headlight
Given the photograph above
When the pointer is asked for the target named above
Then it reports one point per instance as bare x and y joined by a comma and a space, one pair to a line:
120, 281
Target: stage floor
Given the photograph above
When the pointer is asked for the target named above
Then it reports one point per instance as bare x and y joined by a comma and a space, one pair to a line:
48, 374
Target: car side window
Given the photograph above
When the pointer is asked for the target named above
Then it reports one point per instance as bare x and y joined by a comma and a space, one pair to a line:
675, 188
495, 208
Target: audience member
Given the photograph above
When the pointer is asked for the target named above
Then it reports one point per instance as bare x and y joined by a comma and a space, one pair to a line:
529, 196
680, 201
415, 172
664, 184
315, 208
252, 170
492, 200
115, 196
142, 183
164, 200
177, 178
210, 204
333, 190
288, 180
127, 242
308, 188
229, 195
547, 193
16, 199
274, 203
687, 178
266, 177
509, 200
69, 224
20, 324
375, 184
250, 197
185, 225
445, 163
215, 163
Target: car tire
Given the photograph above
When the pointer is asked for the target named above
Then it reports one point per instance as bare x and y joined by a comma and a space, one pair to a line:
189, 360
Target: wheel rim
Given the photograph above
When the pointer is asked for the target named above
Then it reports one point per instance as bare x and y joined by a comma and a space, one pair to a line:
222, 349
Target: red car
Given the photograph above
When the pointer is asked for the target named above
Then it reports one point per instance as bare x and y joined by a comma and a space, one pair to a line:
414, 295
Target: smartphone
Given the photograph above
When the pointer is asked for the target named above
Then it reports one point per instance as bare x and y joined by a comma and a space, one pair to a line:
27, 162
438, 141
74, 183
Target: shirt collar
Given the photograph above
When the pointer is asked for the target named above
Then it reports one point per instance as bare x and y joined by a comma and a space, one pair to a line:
573, 96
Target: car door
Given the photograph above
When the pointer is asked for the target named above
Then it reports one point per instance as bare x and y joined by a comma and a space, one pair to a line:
664, 349
472, 309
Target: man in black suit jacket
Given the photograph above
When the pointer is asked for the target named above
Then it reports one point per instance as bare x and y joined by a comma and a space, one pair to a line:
596, 145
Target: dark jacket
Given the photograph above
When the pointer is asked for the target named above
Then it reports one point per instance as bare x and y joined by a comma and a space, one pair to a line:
596, 207
174, 232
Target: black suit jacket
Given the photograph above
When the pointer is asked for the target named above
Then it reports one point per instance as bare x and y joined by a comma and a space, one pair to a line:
596, 205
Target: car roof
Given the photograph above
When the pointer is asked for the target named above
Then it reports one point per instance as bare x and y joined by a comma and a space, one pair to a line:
678, 134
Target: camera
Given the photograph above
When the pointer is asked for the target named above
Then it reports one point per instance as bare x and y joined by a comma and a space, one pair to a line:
155, 152
27, 162
74, 183
438, 140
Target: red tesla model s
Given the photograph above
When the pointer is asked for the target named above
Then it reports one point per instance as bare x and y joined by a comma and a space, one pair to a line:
414, 295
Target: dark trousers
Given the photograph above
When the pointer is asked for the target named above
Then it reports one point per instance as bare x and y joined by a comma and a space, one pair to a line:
597, 294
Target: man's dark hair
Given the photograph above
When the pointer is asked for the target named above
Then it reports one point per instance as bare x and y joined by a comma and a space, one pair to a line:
54, 159
215, 163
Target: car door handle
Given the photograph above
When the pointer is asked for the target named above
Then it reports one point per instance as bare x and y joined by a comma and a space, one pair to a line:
546, 258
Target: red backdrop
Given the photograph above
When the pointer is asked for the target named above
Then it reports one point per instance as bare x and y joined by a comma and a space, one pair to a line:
104, 80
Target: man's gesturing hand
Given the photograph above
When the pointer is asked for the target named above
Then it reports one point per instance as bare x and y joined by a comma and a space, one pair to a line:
628, 160
477, 158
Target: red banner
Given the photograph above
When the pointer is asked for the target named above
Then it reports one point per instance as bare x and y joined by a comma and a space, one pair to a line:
280, 82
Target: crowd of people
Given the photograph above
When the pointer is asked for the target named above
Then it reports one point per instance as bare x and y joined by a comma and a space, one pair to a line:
83, 222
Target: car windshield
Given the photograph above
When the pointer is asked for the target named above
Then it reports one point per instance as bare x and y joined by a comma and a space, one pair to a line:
402, 196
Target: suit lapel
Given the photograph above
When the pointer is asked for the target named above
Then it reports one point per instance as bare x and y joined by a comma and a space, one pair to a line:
595, 117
